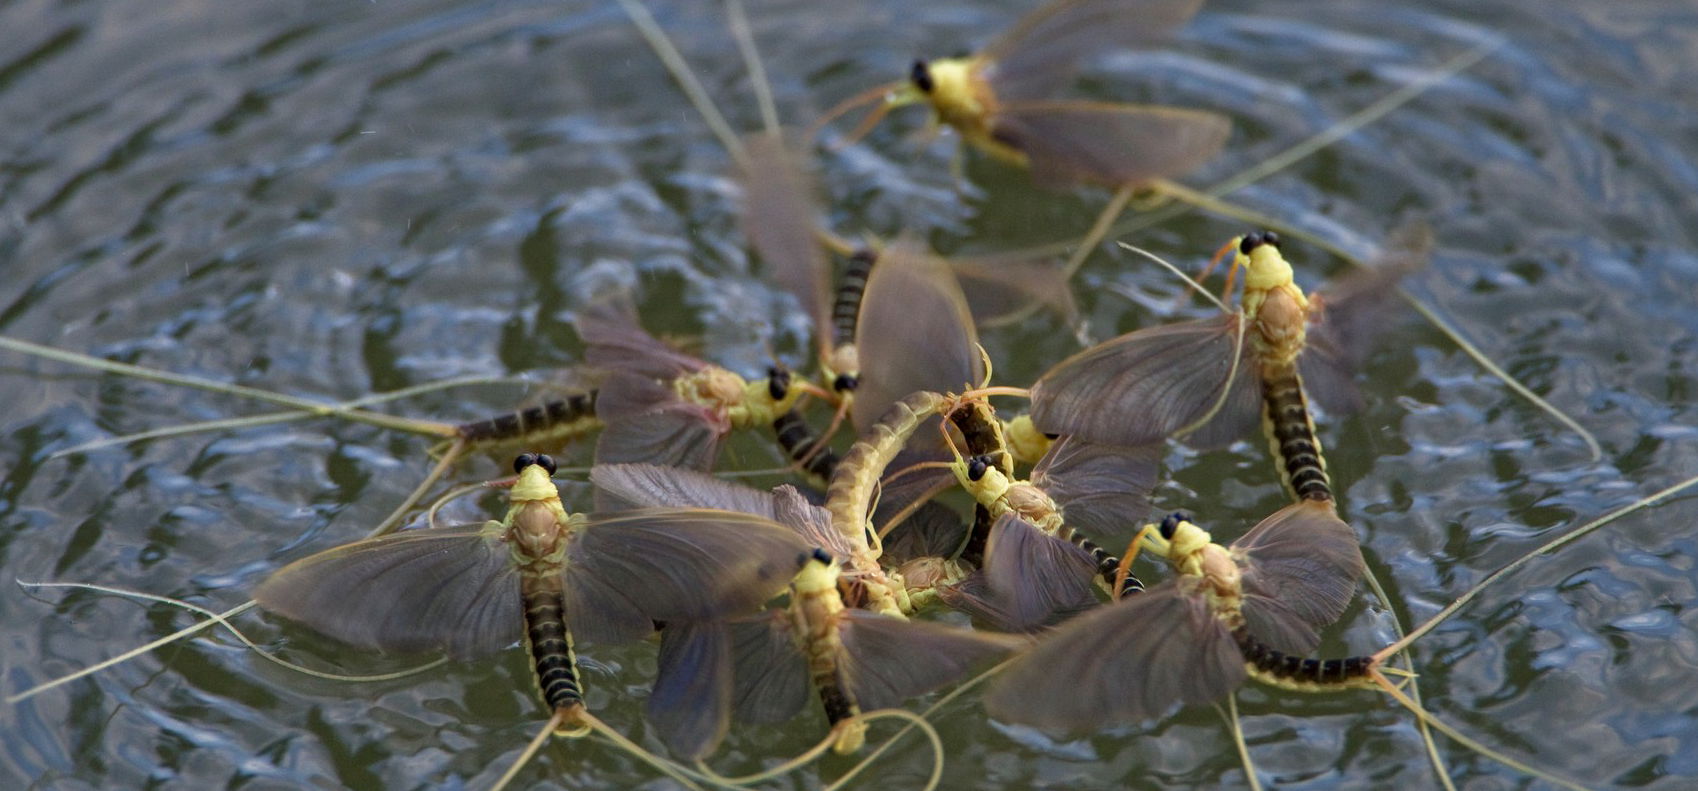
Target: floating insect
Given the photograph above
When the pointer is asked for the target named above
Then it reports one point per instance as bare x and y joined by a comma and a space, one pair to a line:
761, 667
999, 100
1232, 613
539, 573
1208, 381
662, 406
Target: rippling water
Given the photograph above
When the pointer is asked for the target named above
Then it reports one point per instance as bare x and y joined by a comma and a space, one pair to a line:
328, 199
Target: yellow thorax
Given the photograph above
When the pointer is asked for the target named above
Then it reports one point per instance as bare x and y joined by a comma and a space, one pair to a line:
1025, 441
536, 520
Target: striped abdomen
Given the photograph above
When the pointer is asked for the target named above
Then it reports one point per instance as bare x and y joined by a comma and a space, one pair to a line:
797, 439
1277, 668
548, 642
554, 421
1291, 436
846, 305
1108, 566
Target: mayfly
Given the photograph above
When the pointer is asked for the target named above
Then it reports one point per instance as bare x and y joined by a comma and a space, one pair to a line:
662, 406
540, 574
762, 667
1231, 613
1000, 100
1208, 381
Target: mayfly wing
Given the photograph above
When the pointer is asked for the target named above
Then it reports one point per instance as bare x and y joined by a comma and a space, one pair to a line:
1302, 562
932, 530
974, 597
678, 435
1040, 53
690, 704
915, 333
627, 569
1037, 578
1353, 311
624, 394
451, 589
771, 681
1130, 661
1004, 288
1145, 386
625, 486
886, 660
1102, 489
778, 219
811, 522
905, 493
614, 340
1108, 144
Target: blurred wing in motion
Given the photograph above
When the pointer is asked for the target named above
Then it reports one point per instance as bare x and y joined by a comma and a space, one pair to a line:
615, 341
886, 660
915, 333
675, 435
1353, 312
1103, 490
1040, 54
690, 705
1109, 144
778, 218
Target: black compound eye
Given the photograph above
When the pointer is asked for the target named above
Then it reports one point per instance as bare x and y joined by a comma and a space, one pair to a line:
547, 462
1270, 238
1171, 523
819, 555
921, 76
845, 382
777, 382
524, 460
1251, 241
977, 467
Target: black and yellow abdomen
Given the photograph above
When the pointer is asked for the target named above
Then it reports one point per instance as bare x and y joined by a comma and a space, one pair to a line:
548, 641
1277, 668
798, 440
555, 421
1291, 436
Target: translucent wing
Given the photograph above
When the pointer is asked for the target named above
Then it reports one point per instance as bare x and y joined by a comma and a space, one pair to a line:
627, 569
452, 589
1041, 52
771, 672
690, 705
1127, 662
1353, 311
886, 661
1102, 489
1144, 386
676, 435
625, 394
933, 530
1001, 289
778, 218
1109, 144
615, 341
974, 597
1304, 558
1035, 578
625, 486
906, 492
811, 522
914, 333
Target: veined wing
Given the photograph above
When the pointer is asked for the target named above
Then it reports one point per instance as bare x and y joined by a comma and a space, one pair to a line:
614, 340
898, 494
914, 333
678, 435
1107, 143
778, 218
627, 569
1127, 662
811, 522
1353, 311
690, 705
1145, 386
1040, 53
626, 486
452, 589
886, 661
1304, 558
771, 676
933, 530
1036, 579
1102, 489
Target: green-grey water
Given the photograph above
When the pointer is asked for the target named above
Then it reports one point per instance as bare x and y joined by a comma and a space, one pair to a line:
329, 199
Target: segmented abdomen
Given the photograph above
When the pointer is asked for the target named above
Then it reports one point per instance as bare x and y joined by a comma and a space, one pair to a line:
797, 439
1272, 666
554, 421
548, 642
1291, 436
846, 306
852, 483
1108, 566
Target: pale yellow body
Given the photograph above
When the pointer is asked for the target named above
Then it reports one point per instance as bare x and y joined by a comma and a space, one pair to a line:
962, 98
1277, 309
815, 607
1025, 442
741, 403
